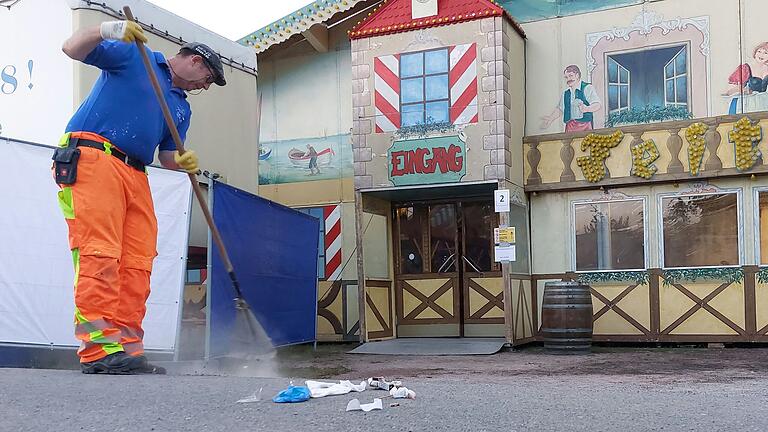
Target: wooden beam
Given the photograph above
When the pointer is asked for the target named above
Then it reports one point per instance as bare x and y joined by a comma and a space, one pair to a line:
361, 292
317, 36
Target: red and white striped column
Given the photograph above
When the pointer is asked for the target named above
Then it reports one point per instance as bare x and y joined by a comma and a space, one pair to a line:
463, 82
386, 70
332, 219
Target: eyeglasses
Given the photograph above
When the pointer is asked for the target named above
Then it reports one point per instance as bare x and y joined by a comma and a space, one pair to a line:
210, 79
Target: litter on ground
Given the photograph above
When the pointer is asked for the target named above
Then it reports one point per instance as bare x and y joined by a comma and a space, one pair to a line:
320, 389
354, 405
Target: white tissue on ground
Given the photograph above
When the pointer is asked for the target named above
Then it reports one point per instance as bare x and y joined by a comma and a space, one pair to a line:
402, 393
318, 389
354, 405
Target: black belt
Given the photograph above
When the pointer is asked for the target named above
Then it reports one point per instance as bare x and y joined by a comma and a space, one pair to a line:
134, 163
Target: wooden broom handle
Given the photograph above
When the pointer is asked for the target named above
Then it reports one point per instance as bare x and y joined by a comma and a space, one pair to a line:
180, 148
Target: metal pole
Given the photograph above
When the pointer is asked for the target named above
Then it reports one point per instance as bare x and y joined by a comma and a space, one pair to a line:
317, 288
209, 278
184, 256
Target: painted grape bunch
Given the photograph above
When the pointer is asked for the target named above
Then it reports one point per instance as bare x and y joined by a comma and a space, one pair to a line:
643, 157
695, 136
745, 136
593, 166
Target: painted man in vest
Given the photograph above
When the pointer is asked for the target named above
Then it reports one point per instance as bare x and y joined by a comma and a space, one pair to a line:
105, 195
576, 106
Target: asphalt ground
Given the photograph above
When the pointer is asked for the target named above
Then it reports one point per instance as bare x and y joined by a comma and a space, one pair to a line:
528, 390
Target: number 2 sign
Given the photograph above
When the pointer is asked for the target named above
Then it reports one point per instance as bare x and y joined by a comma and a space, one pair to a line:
501, 200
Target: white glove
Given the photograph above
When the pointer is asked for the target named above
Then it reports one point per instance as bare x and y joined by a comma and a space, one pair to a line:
126, 31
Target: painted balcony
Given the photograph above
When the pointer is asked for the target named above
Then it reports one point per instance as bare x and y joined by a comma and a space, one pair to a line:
676, 151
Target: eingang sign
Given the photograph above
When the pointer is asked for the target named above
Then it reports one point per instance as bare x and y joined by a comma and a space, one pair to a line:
427, 161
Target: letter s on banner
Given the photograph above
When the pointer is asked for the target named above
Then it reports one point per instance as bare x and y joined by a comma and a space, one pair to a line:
9, 79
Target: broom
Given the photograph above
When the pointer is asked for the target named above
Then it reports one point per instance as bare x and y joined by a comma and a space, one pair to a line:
248, 339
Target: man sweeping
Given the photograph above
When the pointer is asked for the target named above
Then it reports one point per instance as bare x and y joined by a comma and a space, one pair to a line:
105, 195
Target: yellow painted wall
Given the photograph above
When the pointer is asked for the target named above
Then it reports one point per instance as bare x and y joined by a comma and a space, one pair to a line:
636, 304
325, 330
674, 304
521, 302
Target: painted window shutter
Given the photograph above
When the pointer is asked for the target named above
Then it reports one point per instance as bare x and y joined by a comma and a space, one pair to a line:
463, 84
386, 70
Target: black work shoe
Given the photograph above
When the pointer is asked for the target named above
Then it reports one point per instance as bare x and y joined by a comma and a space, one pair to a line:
118, 363
140, 365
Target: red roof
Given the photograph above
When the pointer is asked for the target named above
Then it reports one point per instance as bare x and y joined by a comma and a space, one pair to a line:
394, 16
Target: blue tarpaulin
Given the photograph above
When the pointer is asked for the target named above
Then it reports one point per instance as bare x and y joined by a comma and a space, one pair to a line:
273, 249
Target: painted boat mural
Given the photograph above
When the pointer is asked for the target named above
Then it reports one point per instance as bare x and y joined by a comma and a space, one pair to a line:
264, 152
287, 161
300, 158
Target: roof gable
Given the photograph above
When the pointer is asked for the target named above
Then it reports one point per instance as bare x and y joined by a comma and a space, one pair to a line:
316, 12
394, 16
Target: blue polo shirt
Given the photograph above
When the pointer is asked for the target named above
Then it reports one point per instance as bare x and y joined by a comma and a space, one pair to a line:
122, 106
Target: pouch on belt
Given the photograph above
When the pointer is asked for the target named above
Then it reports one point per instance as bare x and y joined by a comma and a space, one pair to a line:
65, 164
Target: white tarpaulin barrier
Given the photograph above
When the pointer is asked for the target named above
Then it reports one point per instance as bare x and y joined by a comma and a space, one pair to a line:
36, 273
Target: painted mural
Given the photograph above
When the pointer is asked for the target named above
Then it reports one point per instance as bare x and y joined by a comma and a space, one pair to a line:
650, 71
290, 161
534, 10
747, 84
579, 102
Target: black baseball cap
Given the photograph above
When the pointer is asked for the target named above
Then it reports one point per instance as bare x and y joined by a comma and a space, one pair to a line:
211, 60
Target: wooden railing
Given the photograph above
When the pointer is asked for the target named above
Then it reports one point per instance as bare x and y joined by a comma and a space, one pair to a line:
551, 161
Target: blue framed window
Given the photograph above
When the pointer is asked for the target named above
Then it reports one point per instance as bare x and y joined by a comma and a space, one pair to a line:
424, 89
317, 212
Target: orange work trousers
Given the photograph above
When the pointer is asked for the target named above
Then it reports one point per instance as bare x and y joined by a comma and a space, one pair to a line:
113, 238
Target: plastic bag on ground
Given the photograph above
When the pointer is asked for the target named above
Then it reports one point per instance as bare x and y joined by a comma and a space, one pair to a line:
292, 394
320, 389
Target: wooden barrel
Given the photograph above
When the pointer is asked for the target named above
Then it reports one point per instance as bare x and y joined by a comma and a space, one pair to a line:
566, 318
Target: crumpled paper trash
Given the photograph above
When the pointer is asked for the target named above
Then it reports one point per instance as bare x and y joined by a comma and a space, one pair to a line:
382, 384
402, 393
354, 405
320, 389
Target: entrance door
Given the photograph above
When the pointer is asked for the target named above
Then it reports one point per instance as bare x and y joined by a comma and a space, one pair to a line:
481, 281
446, 282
